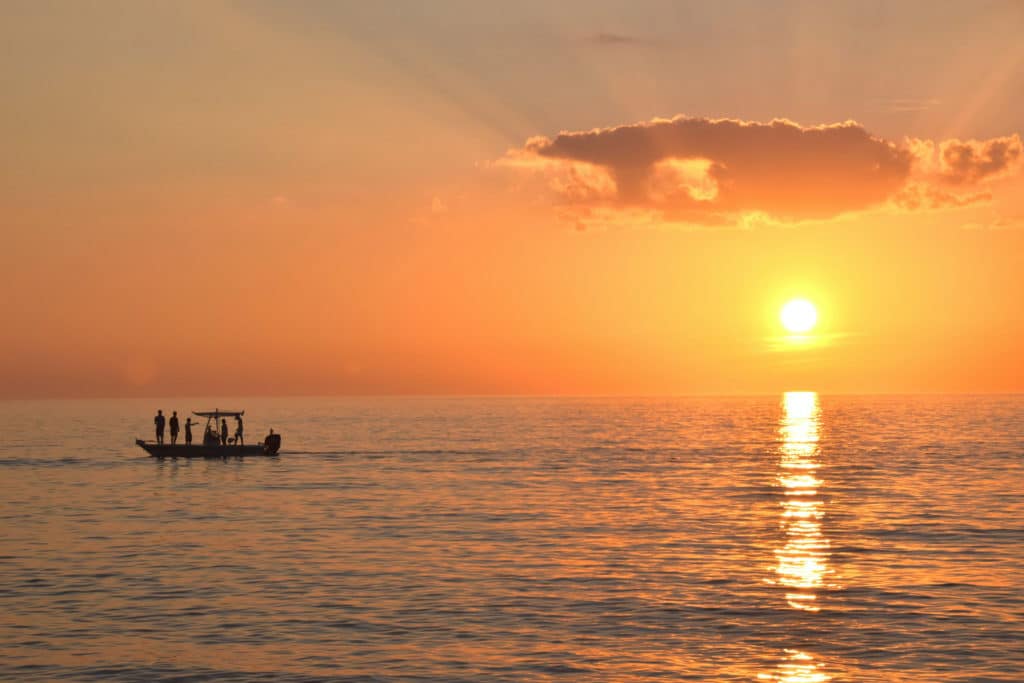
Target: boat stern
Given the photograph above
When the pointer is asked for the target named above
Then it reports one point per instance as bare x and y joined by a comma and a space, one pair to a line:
272, 444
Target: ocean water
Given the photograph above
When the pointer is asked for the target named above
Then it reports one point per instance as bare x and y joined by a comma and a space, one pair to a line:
797, 538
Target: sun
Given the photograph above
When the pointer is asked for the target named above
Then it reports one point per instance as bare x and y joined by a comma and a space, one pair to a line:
799, 316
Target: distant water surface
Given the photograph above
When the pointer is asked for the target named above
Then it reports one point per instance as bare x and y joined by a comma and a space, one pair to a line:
795, 538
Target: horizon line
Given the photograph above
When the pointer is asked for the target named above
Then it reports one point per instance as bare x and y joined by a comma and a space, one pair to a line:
154, 397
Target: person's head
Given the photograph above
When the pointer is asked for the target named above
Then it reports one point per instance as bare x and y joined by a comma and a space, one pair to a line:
159, 412
175, 413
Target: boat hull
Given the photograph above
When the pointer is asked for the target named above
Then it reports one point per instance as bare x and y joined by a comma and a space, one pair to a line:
200, 451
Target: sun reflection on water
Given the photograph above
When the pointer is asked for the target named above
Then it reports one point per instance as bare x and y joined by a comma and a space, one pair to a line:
797, 667
802, 564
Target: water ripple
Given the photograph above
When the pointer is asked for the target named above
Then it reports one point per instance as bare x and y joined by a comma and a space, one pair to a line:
797, 539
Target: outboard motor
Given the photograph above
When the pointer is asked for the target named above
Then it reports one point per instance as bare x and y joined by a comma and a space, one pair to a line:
272, 444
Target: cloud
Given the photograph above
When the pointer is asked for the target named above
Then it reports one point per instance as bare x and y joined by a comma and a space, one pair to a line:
617, 39
970, 161
904, 105
918, 195
572, 181
997, 223
727, 171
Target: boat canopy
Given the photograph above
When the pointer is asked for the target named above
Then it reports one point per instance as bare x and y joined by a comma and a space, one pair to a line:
218, 413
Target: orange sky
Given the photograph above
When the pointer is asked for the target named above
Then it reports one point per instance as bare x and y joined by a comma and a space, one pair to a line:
611, 198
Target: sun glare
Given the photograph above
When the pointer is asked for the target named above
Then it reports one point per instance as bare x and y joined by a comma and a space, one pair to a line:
799, 316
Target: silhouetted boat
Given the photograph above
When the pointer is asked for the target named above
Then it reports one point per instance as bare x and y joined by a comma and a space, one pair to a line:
210, 446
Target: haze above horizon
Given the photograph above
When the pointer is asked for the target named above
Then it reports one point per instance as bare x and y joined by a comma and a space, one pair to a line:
213, 199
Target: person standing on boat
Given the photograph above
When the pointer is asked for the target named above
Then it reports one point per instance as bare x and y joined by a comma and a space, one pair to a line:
223, 432
174, 427
238, 431
188, 430
159, 422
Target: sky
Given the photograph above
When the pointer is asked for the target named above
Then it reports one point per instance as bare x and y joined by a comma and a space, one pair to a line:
268, 198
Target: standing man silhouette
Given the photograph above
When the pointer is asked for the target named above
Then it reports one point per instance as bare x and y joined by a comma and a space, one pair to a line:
223, 432
188, 431
159, 422
174, 427
238, 430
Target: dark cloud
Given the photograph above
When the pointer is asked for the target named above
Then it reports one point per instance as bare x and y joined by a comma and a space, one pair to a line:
729, 166
617, 39
714, 171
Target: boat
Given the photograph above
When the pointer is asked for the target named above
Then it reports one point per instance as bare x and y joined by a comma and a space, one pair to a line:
210, 445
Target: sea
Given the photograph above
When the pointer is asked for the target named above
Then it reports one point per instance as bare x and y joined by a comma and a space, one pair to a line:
798, 537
